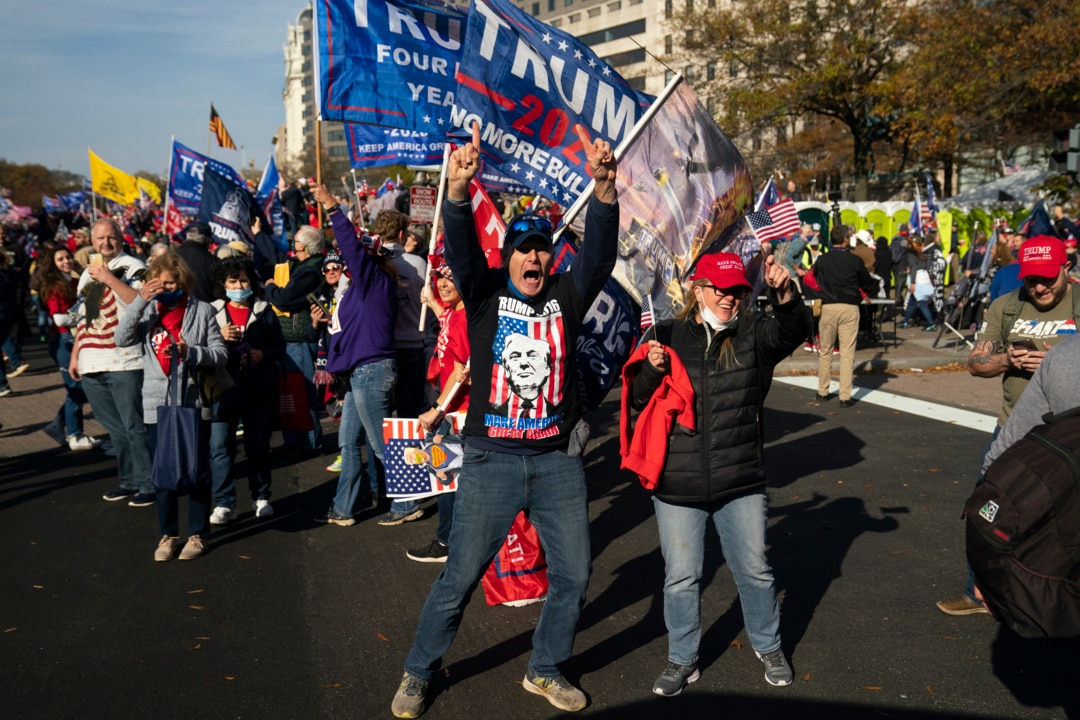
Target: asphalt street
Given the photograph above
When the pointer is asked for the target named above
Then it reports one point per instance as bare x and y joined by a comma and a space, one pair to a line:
285, 618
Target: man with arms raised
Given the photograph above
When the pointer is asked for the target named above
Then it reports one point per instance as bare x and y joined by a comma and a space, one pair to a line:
518, 460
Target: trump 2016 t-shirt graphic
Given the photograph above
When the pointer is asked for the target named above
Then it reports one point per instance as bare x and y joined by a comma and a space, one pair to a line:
528, 371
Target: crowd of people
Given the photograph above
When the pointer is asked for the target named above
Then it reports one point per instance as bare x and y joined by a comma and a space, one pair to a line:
341, 311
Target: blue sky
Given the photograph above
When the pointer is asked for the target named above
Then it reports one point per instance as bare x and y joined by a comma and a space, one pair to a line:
123, 76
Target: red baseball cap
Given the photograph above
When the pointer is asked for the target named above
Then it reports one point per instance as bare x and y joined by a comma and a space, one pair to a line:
1042, 256
723, 270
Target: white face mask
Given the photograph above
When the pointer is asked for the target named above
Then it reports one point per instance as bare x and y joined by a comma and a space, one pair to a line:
714, 322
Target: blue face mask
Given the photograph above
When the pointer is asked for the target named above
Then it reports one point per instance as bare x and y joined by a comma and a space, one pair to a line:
239, 295
170, 298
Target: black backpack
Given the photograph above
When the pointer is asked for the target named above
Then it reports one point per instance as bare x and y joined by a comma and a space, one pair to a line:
1023, 531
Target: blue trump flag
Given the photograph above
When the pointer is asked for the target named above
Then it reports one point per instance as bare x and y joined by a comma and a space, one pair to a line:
1038, 222
609, 333
228, 208
186, 177
51, 205
371, 146
528, 84
268, 197
388, 62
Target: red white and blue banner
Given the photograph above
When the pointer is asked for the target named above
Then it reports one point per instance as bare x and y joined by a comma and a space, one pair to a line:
268, 197
186, 173
416, 465
388, 62
528, 84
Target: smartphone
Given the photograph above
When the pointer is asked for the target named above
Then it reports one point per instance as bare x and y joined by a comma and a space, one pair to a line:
97, 259
311, 298
1023, 345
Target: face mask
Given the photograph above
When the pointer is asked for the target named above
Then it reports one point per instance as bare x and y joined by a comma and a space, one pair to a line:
170, 298
714, 322
239, 295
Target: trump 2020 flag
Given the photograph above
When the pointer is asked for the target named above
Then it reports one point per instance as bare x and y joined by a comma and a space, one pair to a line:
51, 205
528, 84
371, 146
186, 171
418, 466
775, 221
228, 208
388, 62
270, 201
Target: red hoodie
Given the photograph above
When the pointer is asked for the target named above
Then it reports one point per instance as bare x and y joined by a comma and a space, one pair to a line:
646, 452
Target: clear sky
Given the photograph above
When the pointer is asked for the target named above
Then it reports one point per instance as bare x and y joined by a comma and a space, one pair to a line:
123, 76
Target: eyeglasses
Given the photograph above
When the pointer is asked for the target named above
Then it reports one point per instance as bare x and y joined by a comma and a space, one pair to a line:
523, 223
332, 268
739, 293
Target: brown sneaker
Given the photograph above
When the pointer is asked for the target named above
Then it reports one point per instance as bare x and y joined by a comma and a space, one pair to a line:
962, 605
193, 549
166, 548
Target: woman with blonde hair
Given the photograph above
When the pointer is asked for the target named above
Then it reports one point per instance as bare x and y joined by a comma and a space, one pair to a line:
718, 354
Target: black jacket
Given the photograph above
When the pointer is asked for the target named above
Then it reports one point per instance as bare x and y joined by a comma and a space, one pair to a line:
202, 265
841, 275
724, 458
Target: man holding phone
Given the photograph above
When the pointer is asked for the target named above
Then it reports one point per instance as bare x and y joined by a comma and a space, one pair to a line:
1018, 330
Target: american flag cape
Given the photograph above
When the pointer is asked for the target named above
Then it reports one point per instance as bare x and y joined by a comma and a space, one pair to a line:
775, 221
412, 482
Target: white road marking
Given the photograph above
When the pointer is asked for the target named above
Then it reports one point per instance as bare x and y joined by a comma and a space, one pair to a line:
922, 408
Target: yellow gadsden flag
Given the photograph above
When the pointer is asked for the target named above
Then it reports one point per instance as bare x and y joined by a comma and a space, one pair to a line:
111, 183
152, 191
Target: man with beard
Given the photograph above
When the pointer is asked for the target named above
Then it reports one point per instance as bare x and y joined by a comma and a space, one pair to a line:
1018, 330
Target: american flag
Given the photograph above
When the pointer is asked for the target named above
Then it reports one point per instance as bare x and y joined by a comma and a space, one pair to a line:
546, 328
646, 312
218, 128
411, 481
916, 220
775, 221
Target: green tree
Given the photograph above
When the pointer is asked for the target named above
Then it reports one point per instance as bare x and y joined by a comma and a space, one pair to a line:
814, 61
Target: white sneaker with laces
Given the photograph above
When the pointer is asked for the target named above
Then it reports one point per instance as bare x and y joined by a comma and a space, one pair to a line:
82, 442
222, 515
263, 508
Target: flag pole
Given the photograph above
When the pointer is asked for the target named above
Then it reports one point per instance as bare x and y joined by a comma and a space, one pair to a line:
209, 132
435, 227
620, 150
168, 180
318, 163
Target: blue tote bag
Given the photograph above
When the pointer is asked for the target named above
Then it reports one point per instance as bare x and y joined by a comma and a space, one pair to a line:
182, 457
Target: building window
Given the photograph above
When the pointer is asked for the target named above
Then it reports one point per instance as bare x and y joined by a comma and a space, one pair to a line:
306, 97
338, 151
551, 5
309, 127
690, 5
614, 33
689, 74
668, 45
557, 22
710, 71
335, 136
668, 75
307, 36
710, 105
612, 7
306, 67
568, 3
593, 12
535, 9
307, 112
637, 83
756, 142
667, 9
636, 2
573, 18
626, 58
307, 81
733, 69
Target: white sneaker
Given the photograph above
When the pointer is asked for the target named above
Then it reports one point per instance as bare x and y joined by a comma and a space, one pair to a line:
222, 516
263, 508
82, 442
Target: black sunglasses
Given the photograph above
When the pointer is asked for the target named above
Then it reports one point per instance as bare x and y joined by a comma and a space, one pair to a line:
739, 292
524, 223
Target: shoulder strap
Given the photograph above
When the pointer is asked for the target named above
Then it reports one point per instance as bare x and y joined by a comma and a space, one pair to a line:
1011, 312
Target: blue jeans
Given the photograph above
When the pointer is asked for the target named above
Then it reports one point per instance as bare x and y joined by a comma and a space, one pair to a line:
300, 356
70, 415
116, 398
493, 488
446, 517
363, 410
5, 332
920, 305
257, 431
740, 523
12, 350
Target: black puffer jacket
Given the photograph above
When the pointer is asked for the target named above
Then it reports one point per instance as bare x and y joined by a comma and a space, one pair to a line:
725, 456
